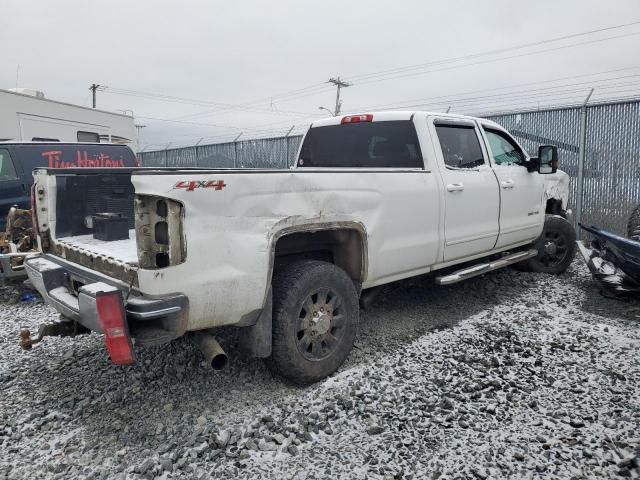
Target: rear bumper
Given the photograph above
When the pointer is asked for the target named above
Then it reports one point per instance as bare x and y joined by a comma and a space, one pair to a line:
8, 269
151, 320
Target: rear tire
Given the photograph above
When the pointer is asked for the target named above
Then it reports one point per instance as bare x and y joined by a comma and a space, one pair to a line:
315, 317
556, 247
633, 225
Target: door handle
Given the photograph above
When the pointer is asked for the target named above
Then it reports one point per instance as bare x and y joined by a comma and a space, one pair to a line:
455, 187
507, 184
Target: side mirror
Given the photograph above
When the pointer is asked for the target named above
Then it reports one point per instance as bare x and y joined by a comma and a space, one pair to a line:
547, 159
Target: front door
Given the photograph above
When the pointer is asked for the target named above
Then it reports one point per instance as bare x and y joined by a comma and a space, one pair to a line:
522, 205
471, 194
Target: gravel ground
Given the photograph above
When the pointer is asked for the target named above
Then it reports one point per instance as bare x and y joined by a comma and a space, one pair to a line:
509, 375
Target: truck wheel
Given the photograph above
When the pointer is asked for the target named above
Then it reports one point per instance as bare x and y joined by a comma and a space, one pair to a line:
315, 317
633, 225
556, 247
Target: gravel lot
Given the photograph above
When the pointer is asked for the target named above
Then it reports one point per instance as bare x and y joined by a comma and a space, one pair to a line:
509, 375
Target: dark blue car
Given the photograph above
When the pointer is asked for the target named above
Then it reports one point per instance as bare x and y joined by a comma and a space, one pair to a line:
18, 159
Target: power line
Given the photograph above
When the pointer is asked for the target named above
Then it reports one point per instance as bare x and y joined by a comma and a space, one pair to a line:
383, 75
192, 101
312, 89
496, 51
458, 96
448, 99
399, 72
203, 124
493, 60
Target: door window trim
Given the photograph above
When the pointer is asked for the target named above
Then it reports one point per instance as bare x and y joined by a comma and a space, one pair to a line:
465, 123
484, 128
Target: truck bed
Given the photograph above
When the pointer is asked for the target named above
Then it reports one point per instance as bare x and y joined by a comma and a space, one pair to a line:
122, 251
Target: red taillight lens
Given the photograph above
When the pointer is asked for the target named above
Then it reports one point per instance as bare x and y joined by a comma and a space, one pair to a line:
367, 117
34, 223
114, 325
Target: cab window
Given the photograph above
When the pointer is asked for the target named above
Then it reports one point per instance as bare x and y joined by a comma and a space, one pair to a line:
503, 149
383, 144
7, 169
460, 146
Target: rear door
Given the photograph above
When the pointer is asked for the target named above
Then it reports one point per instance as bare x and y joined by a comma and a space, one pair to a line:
522, 207
373, 169
472, 201
13, 190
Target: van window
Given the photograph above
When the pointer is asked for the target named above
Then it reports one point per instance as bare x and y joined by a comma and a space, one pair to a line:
7, 169
89, 137
392, 144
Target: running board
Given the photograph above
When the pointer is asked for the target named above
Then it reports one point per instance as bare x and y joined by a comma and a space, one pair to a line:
485, 267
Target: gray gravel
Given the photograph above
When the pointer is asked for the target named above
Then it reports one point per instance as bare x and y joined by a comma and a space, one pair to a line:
510, 375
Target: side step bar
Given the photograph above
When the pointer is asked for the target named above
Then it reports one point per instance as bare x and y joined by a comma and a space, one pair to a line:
481, 268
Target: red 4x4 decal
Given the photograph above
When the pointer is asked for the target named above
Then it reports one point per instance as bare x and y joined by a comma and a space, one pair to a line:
191, 185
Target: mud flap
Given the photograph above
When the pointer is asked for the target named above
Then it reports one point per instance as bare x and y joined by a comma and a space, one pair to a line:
256, 339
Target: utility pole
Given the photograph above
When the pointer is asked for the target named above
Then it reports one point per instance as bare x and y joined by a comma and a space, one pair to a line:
139, 133
339, 84
95, 87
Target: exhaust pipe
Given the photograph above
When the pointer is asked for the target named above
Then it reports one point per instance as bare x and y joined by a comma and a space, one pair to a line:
211, 349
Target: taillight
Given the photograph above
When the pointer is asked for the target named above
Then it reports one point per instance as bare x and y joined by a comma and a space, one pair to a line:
34, 223
114, 325
367, 117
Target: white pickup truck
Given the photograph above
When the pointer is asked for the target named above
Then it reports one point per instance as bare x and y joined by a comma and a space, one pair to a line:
148, 255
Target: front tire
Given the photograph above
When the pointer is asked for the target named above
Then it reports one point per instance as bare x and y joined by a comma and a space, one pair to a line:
315, 317
556, 247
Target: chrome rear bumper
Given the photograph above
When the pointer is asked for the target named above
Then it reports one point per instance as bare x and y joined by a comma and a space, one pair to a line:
54, 279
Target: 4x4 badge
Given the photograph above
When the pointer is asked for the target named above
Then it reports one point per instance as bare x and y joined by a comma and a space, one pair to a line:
191, 185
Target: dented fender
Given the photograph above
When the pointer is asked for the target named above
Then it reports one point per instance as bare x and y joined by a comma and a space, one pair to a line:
231, 233
556, 186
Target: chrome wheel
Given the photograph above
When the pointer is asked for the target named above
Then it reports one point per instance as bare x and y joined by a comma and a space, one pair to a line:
320, 325
554, 250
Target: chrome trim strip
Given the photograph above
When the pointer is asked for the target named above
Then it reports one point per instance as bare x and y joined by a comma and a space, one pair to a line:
154, 313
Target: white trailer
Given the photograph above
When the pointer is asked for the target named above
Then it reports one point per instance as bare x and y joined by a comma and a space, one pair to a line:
25, 115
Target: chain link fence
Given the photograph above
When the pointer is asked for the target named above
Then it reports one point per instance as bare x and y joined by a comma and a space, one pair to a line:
610, 166
277, 152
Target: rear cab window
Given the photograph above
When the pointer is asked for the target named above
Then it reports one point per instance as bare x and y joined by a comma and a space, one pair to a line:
382, 144
7, 168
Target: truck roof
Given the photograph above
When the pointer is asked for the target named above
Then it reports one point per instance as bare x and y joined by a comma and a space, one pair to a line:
387, 116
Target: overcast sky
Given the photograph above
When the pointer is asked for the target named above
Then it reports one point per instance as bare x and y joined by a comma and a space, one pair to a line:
259, 67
